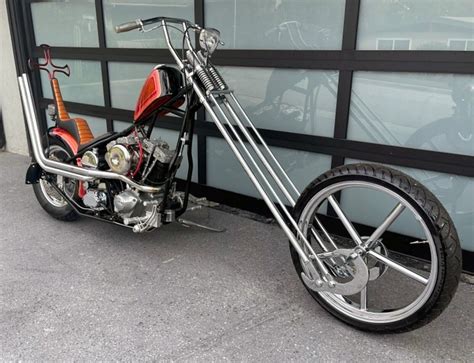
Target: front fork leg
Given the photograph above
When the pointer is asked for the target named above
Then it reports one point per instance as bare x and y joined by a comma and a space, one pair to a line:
313, 279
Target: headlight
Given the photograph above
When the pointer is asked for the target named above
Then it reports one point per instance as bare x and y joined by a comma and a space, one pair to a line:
209, 39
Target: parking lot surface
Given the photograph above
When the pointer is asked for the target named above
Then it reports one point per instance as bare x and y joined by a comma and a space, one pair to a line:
93, 291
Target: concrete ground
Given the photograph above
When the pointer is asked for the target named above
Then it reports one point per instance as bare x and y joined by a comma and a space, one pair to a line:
93, 291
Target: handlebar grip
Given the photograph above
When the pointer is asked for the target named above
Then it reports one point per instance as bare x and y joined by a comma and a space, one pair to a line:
125, 27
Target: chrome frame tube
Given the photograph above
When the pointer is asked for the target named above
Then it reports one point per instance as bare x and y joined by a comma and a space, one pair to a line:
248, 170
56, 167
175, 55
272, 172
258, 152
264, 144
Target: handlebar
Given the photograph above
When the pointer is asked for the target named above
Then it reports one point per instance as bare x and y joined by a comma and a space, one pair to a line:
131, 25
139, 23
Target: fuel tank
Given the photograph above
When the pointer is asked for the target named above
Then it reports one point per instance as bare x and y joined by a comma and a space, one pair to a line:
161, 85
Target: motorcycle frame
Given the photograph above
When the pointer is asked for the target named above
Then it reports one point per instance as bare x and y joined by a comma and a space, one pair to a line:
236, 127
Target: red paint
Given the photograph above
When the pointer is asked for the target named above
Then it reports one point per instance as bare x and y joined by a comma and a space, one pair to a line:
67, 138
150, 93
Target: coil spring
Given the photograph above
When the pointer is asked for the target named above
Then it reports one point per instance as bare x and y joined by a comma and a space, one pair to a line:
205, 79
219, 82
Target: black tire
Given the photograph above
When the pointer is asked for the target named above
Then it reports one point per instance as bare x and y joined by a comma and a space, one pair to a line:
434, 215
65, 212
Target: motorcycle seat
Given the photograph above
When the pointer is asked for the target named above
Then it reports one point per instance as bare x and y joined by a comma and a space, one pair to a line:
77, 127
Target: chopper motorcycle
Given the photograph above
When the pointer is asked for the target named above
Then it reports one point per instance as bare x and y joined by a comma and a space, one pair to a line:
128, 178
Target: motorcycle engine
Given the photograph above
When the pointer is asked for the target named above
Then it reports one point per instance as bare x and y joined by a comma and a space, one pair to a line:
123, 155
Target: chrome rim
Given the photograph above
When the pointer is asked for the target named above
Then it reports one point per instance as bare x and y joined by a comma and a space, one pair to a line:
414, 281
57, 153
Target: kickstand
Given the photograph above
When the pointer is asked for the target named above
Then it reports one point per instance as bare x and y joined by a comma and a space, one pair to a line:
202, 202
188, 223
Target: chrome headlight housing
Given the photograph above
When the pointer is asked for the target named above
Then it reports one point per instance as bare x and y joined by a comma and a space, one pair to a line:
209, 39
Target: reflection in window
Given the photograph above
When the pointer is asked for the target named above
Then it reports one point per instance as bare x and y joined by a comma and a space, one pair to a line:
424, 111
461, 44
393, 44
282, 24
65, 24
455, 193
429, 24
225, 172
83, 86
293, 100
118, 11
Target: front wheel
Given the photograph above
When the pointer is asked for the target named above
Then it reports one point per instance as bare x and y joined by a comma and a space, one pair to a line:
403, 233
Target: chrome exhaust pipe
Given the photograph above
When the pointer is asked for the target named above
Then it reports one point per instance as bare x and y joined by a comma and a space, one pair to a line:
56, 167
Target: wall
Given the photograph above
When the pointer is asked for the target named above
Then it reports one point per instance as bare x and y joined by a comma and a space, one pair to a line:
10, 103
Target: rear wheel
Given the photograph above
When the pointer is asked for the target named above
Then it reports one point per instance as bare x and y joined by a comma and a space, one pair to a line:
404, 290
48, 197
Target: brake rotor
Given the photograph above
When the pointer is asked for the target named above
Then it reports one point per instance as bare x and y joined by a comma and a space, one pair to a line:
376, 268
353, 263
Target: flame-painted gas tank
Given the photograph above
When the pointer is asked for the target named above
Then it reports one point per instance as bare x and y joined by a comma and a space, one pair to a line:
161, 85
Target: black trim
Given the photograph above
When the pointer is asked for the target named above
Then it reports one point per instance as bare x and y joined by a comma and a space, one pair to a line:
99, 9
351, 22
343, 104
356, 60
468, 261
414, 158
202, 158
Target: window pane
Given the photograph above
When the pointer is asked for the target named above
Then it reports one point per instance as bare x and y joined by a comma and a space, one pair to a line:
455, 192
117, 12
424, 111
428, 24
65, 24
126, 82
225, 172
284, 24
83, 86
121, 125
293, 100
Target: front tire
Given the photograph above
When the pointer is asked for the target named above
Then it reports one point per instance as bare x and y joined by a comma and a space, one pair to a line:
49, 199
438, 283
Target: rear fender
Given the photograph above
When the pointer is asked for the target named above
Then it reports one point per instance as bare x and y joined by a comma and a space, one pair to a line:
71, 142
65, 137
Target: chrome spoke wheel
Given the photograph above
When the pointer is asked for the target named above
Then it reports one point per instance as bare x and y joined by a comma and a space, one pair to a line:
50, 193
399, 284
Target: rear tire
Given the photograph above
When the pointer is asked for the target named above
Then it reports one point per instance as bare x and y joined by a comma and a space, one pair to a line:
49, 199
433, 214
